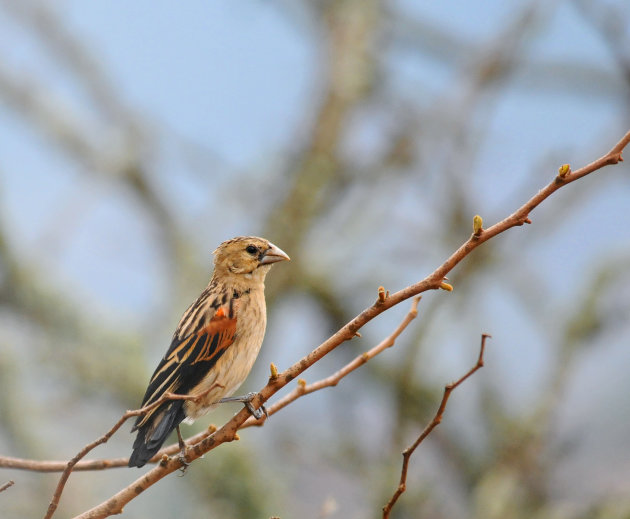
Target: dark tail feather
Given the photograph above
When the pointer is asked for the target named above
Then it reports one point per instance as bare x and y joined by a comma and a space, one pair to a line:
153, 434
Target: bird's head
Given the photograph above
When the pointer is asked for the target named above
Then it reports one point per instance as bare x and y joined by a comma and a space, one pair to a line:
247, 256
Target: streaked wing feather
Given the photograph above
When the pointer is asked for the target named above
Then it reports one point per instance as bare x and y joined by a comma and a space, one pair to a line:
189, 359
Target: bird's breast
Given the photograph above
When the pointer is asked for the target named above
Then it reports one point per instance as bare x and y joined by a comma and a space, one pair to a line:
232, 368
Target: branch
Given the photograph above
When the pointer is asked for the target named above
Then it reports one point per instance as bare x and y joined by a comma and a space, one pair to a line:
301, 390
8, 484
331, 381
103, 439
437, 419
8, 462
207, 440
434, 281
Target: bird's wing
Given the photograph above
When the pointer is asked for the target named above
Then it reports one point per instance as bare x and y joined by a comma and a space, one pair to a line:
189, 358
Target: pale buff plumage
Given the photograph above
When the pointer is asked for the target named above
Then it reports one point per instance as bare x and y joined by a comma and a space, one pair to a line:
215, 344
234, 365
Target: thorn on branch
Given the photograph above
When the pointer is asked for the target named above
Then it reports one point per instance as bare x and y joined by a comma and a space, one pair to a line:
274, 372
615, 158
382, 295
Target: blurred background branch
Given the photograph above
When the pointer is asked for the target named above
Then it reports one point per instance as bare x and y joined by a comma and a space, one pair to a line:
437, 419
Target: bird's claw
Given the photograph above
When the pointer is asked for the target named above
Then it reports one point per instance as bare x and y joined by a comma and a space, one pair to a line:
247, 401
257, 413
183, 459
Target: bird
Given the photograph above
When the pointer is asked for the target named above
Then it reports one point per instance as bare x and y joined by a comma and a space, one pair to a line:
213, 347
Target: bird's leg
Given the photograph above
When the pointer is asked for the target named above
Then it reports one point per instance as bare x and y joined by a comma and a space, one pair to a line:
182, 452
200, 396
247, 400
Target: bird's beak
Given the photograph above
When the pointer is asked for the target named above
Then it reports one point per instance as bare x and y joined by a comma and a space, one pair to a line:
273, 255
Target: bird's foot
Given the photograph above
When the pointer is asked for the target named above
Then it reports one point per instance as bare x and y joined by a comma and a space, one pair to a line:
257, 413
183, 457
247, 401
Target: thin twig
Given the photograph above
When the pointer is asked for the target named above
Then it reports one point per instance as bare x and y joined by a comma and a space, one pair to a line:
9, 462
437, 419
8, 484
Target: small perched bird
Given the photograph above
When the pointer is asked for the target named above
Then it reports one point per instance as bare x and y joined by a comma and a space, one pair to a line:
214, 346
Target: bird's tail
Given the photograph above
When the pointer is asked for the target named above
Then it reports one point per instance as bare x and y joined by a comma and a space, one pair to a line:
153, 433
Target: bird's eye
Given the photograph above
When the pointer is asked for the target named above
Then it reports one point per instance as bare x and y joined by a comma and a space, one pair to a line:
251, 249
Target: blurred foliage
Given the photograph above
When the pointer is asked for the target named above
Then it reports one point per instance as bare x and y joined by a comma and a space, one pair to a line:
354, 212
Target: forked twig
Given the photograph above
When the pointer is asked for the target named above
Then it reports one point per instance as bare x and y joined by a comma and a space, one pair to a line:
437, 419
332, 380
54, 502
